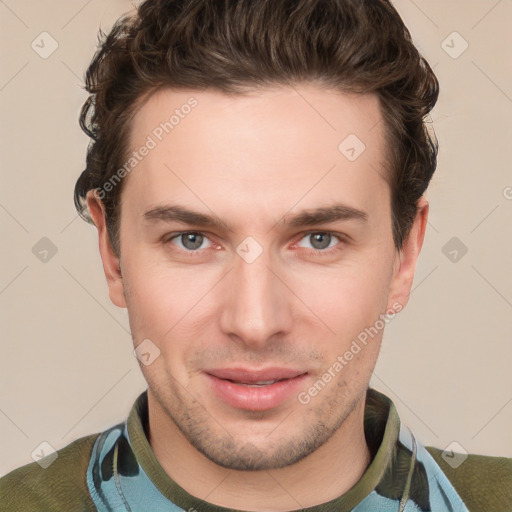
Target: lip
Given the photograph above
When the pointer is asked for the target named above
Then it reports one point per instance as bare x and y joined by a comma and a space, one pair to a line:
253, 375
226, 383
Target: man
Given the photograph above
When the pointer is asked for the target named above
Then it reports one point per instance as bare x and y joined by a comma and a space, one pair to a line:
257, 177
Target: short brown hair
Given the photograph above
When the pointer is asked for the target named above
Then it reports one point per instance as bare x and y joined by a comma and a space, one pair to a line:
359, 46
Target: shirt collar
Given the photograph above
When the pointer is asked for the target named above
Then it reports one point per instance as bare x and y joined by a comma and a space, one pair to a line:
124, 474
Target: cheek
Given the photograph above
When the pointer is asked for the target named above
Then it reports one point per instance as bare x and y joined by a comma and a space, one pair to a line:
348, 298
157, 309
163, 300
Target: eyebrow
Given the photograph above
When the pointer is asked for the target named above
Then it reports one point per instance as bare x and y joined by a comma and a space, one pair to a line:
175, 213
310, 217
324, 215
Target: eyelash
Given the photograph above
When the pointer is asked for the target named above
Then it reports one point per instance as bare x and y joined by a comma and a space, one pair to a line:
311, 252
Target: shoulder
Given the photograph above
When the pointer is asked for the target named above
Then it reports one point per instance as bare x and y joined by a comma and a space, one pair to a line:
61, 485
484, 483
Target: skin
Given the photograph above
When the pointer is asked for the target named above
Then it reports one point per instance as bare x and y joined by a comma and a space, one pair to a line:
254, 160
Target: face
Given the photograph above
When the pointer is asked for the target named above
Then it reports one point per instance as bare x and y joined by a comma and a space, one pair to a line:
254, 252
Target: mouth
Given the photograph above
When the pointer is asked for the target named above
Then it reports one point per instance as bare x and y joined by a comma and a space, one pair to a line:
255, 390
256, 384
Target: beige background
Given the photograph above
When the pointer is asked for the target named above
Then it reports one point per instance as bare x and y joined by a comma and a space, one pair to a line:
67, 367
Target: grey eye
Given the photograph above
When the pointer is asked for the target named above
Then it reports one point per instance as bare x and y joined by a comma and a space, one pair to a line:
191, 241
319, 240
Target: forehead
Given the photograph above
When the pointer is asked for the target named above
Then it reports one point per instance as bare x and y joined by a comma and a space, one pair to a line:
266, 149
295, 111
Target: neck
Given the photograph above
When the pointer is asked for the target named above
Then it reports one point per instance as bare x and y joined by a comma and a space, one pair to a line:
331, 470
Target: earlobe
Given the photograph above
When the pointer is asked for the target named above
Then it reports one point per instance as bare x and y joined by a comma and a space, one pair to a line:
407, 257
111, 263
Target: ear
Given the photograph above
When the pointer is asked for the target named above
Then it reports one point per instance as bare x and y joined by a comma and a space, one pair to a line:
406, 258
111, 263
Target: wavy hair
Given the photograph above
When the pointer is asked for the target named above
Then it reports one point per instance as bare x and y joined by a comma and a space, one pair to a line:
355, 46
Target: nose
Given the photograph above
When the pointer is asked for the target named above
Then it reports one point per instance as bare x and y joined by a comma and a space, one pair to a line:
256, 305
